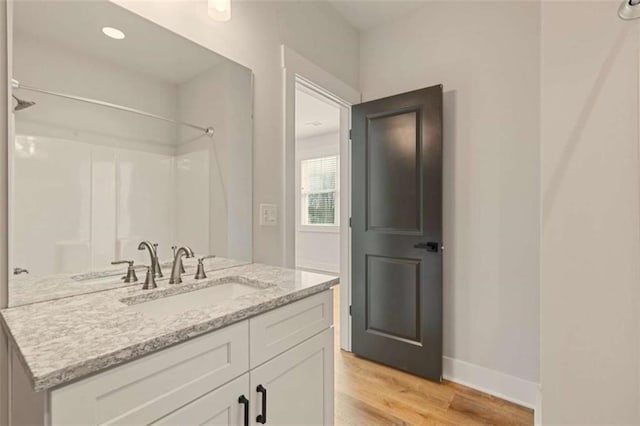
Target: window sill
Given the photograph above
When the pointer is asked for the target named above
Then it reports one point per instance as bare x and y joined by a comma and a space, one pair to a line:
332, 229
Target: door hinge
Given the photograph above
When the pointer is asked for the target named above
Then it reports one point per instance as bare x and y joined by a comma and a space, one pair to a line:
350, 222
350, 310
350, 134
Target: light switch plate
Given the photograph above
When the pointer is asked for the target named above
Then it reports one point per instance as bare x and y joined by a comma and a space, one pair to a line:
268, 215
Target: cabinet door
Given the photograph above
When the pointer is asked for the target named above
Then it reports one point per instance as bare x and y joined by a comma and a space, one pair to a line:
219, 407
298, 384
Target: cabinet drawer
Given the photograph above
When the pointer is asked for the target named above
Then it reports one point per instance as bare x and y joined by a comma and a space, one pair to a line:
144, 390
274, 332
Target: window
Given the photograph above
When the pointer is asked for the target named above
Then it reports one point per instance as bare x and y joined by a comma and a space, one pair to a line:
319, 191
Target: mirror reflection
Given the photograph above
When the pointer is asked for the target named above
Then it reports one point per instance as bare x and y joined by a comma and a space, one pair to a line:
130, 142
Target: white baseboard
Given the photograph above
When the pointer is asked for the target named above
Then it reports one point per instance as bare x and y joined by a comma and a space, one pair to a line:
537, 411
511, 388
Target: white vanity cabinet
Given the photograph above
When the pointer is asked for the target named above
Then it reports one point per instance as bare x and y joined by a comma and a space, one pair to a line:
288, 351
298, 384
223, 406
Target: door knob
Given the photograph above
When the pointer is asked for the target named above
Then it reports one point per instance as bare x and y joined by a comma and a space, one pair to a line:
430, 246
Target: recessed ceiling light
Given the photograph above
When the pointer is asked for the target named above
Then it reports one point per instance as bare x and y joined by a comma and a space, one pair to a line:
219, 10
113, 33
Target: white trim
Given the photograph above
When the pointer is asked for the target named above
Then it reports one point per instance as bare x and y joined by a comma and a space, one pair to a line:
319, 229
321, 267
311, 72
511, 388
6, 140
297, 69
537, 411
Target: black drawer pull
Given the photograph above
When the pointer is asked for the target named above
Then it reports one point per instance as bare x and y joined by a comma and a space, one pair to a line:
262, 418
243, 400
430, 246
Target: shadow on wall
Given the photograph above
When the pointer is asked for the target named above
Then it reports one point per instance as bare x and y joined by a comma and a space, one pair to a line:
551, 191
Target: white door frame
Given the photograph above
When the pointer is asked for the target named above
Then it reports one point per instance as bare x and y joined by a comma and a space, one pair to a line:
6, 139
299, 70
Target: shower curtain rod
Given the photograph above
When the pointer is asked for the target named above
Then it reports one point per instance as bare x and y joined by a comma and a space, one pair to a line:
17, 85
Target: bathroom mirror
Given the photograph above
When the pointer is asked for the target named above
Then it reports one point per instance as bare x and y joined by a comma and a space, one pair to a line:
123, 132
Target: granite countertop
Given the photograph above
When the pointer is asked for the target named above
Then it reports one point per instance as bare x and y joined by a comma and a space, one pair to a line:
31, 288
68, 338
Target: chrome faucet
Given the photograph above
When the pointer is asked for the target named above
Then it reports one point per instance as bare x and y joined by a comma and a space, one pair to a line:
157, 270
174, 248
150, 281
177, 264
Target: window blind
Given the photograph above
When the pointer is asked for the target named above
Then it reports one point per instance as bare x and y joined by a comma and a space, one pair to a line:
319, 190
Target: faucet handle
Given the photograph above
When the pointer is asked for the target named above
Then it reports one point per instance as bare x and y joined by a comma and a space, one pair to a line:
131, 271
200, 274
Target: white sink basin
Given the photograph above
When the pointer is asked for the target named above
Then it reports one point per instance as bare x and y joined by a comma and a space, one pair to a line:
196, 299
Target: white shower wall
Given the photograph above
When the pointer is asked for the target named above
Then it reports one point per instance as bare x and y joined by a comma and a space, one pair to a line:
78, 206
90, 183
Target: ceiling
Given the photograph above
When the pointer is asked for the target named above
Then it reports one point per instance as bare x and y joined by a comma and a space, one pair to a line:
367, 14
147, 48
315, 117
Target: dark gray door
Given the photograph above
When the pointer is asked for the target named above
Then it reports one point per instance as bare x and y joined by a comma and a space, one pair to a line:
397, 231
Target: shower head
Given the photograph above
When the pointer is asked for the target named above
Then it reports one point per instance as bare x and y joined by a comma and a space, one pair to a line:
629, 9
22, 104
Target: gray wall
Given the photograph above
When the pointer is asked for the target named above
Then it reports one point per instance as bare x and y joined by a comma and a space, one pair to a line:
253, 38
590, 276
487, 56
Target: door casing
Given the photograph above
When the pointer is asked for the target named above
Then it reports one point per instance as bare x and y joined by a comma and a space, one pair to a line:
299, 70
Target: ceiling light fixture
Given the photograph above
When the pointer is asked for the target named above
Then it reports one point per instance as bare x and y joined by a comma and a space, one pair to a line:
219, 10
113, 33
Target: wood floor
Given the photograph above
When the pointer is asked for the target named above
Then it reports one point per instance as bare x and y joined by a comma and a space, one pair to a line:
371, 394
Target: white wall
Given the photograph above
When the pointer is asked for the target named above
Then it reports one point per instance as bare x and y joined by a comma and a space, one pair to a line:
104, 180
89, 183
253, 38
82, 75
219, 97
487, 56
316, 248
590, 276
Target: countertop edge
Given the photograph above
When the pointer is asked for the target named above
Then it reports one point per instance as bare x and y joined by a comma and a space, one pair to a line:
96, 365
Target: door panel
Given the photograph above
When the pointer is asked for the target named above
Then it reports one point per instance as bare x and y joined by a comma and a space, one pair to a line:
383, 298
392, 170
397, 231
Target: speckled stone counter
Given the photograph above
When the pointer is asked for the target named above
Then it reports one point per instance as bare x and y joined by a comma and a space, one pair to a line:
64, 339
28, 288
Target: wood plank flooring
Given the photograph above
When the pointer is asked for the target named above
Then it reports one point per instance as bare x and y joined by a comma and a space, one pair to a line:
370, 394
